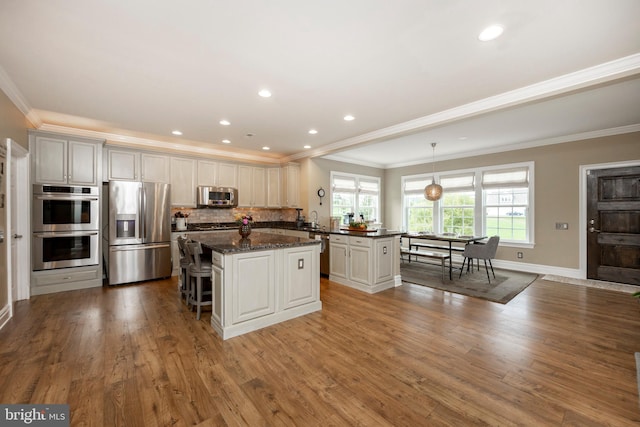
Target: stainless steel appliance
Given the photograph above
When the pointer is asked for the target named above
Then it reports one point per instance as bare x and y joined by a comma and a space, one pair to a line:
139, 231
65, 226
325, 256
64, 249
65, 208
217, 197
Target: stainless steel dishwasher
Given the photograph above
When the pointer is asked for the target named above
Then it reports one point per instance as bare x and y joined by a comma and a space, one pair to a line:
324, 252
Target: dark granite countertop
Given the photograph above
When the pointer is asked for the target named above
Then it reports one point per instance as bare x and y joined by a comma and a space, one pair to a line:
230, 226
228, 242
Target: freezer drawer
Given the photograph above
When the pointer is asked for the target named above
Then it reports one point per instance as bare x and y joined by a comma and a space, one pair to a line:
135, 263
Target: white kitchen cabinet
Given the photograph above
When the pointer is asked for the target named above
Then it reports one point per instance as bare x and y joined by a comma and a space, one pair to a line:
253, 285
364, 263
255, 289
183, 182
273, 188
291, 185
125, 165
207, 173
251, 186
62, 160
301, 267
227, 175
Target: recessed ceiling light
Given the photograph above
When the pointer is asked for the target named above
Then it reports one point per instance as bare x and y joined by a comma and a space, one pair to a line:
490, 33
265, 93
176, 132
307, 146
265, 148
226, 141
349, 118
313, 131
224, 122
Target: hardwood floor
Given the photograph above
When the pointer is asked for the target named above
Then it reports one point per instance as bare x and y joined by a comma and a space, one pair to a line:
556, 355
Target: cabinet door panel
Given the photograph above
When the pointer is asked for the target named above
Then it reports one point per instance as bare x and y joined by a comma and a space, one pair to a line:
338, 265
183, 186
123, 165
227, 175
83, 163
207, 173
155, 168
384, 257
259, 188
359, 265
300, 270
51, 161
253, 286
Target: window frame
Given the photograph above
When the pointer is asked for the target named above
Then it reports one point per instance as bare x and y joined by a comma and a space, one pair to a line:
480, 220
357, 178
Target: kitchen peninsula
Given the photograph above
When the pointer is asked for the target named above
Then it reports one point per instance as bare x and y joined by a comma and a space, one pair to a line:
261, 280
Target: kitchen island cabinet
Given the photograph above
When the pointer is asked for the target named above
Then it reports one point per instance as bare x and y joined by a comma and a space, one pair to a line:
369, 262
260, 281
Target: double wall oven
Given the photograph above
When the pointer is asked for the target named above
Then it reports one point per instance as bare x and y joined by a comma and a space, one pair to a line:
65, 226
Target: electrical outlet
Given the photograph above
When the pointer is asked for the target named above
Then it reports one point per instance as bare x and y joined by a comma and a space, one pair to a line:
520, 255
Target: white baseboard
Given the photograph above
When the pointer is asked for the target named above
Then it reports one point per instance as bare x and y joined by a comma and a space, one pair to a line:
5, 315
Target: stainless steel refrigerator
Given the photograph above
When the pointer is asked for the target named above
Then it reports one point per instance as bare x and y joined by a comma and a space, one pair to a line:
139, 231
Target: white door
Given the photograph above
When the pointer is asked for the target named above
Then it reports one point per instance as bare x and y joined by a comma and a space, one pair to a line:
19, 228
6, 305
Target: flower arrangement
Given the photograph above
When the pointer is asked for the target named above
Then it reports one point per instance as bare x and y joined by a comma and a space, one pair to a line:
243, 219
180, 214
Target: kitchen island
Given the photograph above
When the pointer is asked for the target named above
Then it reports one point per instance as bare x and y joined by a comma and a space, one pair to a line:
261, 280
365, 260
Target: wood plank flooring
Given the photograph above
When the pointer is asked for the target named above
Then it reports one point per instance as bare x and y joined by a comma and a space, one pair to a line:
556, 355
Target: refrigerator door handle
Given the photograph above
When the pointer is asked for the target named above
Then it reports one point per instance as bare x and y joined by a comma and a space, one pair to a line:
141, 213
139, 247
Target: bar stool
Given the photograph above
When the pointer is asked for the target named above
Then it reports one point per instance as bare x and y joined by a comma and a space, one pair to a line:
198, 270
184, 266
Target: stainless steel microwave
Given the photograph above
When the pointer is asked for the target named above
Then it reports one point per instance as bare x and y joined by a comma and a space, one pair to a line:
217, 197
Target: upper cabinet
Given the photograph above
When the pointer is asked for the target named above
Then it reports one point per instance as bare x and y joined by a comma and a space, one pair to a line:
227, 175
252, 185
183, 182
124, 165
291, 185
58, 159
273, 188
207, 173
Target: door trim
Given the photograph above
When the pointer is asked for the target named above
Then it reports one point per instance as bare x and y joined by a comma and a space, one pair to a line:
582, 220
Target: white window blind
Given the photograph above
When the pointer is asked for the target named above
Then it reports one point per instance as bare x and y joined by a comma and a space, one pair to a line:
464, 182
414, 186
506, 178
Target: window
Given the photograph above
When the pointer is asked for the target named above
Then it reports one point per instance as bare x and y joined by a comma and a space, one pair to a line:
458, 204
355, 194
506, 202
485, 201
418, 210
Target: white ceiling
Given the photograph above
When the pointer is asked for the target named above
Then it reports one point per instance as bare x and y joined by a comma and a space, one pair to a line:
411, 72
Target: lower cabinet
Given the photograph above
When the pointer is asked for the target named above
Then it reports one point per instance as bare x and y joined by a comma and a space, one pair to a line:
66, 279
255, 289
367, 264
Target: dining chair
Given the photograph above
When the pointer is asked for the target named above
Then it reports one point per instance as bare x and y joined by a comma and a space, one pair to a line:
184, 268
484, 252
201, 272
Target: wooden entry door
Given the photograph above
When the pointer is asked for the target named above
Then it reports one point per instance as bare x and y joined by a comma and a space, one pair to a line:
613, 225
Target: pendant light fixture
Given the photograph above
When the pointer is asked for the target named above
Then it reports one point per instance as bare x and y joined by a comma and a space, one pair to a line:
433, 191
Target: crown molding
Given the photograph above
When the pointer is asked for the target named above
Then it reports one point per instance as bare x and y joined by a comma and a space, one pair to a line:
599, 74
528, 144
12, 92
157, 145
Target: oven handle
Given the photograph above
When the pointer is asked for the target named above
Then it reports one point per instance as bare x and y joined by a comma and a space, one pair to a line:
76, 234
71, 198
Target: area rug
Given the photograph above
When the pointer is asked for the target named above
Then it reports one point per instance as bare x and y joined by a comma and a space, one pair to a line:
502, 289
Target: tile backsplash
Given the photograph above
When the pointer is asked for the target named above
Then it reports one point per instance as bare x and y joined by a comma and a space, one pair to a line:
207, 215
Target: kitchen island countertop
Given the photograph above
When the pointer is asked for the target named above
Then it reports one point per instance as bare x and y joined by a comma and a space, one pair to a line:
230, 241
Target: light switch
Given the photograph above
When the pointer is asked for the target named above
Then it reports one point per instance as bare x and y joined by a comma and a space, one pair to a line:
562, 225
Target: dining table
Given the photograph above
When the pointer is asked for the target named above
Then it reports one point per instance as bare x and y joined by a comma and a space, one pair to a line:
442, 241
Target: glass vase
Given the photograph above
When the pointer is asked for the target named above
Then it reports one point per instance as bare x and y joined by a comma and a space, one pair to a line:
245, 230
